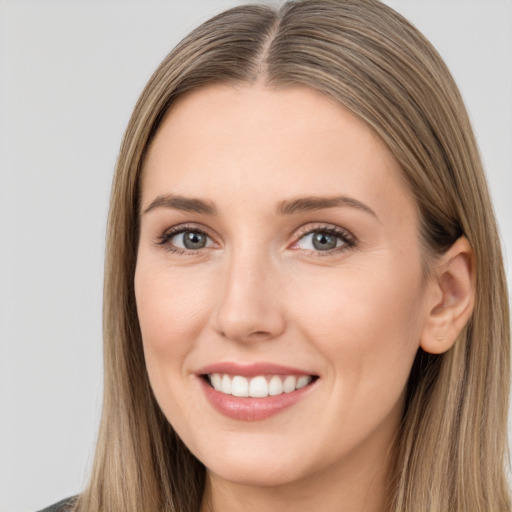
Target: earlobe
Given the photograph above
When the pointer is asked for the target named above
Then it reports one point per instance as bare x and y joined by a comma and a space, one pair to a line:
451, 297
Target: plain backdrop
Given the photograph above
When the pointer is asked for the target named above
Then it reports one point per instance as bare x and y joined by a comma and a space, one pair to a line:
70, 73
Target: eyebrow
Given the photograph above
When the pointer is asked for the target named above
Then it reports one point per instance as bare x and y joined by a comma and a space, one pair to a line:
182, 203
304, 204
288, 207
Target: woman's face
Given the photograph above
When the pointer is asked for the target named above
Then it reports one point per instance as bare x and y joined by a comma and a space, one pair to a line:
278, 257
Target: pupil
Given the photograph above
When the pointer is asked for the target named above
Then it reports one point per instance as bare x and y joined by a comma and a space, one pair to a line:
192, 240
323, 241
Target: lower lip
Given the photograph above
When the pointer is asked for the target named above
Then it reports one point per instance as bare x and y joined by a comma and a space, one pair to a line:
252, 409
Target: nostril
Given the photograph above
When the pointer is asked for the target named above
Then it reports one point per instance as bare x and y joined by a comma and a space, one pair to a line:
260, 334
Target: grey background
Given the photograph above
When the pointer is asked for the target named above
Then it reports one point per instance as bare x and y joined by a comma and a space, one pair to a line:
70, 73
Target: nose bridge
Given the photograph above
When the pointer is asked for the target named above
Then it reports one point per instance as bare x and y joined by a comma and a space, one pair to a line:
248, 301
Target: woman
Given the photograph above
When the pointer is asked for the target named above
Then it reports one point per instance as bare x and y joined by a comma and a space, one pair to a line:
305, 304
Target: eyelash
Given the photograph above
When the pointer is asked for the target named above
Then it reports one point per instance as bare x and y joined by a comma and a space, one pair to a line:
349, 241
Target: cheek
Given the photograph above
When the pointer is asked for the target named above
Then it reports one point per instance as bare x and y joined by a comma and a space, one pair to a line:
367, 325
171, 309
171, 312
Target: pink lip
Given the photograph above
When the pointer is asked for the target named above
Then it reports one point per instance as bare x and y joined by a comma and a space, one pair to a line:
251, 370
247, 408
252, 409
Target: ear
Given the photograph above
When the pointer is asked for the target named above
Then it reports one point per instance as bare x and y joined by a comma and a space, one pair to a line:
450, 297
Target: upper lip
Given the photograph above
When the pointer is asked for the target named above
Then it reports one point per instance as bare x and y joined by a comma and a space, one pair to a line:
251, 370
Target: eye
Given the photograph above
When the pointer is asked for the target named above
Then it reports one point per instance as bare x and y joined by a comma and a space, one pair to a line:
191, 240
325, 239
184, 239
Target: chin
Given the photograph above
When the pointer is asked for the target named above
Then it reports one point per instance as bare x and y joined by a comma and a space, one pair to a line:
258, 474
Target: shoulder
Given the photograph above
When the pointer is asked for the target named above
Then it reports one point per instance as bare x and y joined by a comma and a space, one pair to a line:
62, 506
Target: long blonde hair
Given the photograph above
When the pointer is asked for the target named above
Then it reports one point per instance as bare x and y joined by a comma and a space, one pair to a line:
451, 449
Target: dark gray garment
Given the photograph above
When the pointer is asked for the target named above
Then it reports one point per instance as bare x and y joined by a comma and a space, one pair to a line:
62, 506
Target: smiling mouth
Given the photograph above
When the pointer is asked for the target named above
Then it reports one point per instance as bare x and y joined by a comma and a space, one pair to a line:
260, 386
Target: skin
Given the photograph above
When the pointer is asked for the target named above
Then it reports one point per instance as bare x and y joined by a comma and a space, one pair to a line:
259, 291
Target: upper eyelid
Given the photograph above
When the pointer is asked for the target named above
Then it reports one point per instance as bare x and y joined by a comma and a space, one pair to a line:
181, 228
302, 230
311, 228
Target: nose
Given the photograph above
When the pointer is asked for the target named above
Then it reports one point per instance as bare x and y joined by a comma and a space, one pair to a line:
249, 306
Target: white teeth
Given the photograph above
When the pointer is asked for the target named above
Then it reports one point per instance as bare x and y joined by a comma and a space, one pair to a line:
303, 381
257, 387
239, 386
216, 381
289, 384
275, 386
226, 385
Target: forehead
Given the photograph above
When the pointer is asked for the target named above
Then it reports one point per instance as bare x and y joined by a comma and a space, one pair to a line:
277, 144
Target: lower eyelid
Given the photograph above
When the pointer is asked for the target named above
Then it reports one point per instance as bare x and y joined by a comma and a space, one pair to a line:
334, 250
